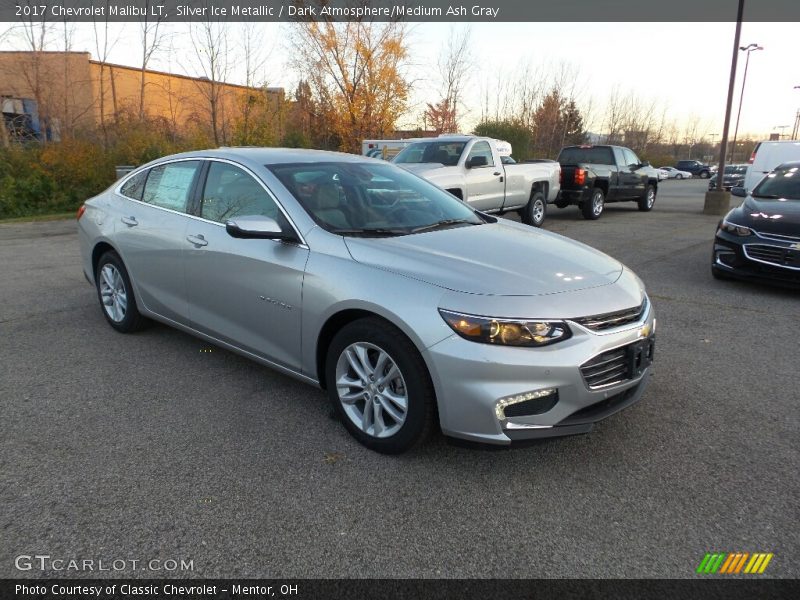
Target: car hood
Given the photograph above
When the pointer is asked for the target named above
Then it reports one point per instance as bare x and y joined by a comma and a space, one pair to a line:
497, 259
781, 217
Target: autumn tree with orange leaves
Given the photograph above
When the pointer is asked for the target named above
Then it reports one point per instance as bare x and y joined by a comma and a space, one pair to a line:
356, 71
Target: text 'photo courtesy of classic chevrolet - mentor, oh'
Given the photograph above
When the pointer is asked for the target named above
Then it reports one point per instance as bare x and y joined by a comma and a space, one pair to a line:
411, 308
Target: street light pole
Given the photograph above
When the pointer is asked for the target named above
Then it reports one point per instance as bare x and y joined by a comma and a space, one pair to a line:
796, 128
749, 48
718, 202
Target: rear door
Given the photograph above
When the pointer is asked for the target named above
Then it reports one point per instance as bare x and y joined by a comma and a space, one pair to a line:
246, 292
150, 235
485, 185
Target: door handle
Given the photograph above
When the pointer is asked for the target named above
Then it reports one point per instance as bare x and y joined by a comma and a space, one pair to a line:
130, 221
497, 173
197, 240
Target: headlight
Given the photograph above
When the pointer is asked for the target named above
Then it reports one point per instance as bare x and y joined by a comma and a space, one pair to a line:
506, 332
735, 229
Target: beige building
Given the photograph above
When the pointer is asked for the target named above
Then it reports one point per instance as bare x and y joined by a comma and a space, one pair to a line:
69, 92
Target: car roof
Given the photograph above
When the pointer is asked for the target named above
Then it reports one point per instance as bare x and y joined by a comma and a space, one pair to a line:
273, 156
789, 165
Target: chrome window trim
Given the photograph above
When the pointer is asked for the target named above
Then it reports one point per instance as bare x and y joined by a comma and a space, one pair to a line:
292, 224
764, 262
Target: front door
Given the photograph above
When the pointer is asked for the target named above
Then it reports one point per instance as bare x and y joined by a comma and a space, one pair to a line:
485, 185
246, 292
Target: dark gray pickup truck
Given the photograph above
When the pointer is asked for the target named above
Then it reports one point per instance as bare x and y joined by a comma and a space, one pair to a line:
594, 175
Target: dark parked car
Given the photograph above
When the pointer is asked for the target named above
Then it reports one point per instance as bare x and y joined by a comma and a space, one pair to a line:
594, 175
734, 177
695, 167
761, 238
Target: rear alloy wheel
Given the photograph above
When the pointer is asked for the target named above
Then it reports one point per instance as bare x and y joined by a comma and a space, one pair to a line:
647, 201
115, 293
678, 176
535, 211
703, 174
379, 386
594, 207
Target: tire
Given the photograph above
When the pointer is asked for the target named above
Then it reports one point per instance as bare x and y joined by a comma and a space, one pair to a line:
361, 345
678, 176
594, 207
647, 201
703, 174
535, 211
115, 293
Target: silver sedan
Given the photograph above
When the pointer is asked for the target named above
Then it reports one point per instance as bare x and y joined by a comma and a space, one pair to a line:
408, 306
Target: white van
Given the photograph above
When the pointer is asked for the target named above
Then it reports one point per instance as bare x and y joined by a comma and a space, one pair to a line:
768, 155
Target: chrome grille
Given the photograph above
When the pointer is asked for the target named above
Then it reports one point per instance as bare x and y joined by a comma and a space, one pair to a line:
614, 319
606, 368
774, 255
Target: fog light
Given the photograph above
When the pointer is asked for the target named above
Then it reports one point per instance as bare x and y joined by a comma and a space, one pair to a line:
503, 403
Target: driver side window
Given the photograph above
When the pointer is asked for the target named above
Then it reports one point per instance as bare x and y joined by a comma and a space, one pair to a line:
482, 149
230, 192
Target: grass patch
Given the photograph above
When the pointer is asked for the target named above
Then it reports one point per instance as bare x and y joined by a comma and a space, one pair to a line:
59, 216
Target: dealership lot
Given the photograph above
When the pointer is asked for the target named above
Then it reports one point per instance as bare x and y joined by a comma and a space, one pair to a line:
158, 446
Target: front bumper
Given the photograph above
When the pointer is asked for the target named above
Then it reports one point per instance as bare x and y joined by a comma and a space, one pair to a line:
470, 378
760, 257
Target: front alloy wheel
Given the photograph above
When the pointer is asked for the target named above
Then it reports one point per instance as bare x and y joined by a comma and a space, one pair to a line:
371, 389
379, 385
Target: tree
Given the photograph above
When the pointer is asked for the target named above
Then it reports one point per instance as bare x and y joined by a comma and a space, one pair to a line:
356, 71
514, 132
455, 62
152, 40
212, 59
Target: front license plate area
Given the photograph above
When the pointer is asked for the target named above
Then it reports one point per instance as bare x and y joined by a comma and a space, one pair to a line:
640, 356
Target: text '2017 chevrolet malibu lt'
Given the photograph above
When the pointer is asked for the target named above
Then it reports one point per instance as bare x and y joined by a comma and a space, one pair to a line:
408, 306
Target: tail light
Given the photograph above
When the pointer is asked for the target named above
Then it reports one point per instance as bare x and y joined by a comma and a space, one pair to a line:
81, 210
580, 176
560, 176
752, 157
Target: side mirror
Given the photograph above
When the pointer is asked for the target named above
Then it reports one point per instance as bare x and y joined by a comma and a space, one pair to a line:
739, 191
646, 163
257, 227
477, 161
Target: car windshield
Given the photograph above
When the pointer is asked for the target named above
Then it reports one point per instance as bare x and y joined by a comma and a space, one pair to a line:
735, 169
783, 183
595, 156
446, 153
371, 199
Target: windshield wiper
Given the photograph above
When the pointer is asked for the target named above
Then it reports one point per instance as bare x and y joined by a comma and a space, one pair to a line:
370, 231
444, 223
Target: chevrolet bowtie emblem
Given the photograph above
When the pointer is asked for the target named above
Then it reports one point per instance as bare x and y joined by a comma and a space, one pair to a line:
644, 331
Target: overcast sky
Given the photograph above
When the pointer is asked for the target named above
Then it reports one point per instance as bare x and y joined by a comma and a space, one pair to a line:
685, 66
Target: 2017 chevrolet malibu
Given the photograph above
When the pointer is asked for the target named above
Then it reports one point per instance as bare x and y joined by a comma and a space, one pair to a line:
760, 238
409, 307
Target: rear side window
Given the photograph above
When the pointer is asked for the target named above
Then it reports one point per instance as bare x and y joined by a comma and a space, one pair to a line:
594, 156
134, 187
168, 186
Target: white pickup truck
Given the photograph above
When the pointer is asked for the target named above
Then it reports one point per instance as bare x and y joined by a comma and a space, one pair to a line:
473, 169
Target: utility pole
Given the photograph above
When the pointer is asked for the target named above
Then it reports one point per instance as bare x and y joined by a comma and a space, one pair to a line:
718, 202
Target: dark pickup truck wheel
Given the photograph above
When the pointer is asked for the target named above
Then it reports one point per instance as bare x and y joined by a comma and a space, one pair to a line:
703, 174
593, 208
647, 201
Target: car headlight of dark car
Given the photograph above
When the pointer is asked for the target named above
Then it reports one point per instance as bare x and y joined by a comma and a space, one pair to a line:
735, 229
506, 332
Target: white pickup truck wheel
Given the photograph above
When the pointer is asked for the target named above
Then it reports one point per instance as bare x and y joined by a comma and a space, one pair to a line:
535, 211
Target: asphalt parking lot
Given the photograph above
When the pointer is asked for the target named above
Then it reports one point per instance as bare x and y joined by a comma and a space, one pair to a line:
152, 447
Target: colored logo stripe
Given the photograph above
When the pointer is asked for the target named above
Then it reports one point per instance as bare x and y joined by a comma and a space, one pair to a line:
732, 563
